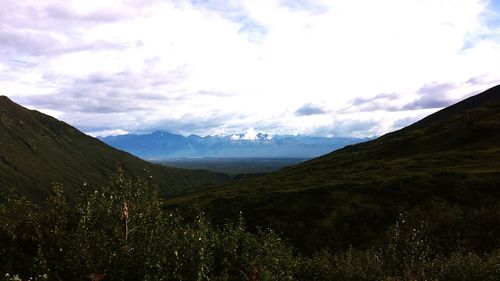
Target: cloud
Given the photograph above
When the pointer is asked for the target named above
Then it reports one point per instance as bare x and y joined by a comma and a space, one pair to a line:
433, 95
383, 96
235, 11
27, 42
64, 11
105, 133
54, 28
78, 101
218, 66
312, 6
32, 43
46, 14
384, 101
348, 128
104, 92
483, 81
400, 123
309, 109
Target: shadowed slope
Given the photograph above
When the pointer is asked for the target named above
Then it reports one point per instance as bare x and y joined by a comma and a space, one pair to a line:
350, 196
36, 150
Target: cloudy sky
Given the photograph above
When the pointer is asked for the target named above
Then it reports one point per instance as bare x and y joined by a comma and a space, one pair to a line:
331, 67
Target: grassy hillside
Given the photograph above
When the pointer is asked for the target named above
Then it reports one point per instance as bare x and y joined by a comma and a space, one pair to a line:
37, 150
446, 164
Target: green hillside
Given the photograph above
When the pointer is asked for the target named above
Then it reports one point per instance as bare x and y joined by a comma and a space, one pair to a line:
37, 150
447, 164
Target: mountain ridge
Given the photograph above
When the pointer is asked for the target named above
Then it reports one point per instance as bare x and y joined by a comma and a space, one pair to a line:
37, 150
450, 159
161, 144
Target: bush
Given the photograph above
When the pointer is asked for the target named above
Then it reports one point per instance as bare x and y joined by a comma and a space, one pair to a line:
120, 231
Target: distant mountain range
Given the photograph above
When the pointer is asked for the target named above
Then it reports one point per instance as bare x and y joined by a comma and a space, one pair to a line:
161, 145
37, 150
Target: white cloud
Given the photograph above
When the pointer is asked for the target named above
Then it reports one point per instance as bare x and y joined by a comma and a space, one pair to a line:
226, 66
106, 133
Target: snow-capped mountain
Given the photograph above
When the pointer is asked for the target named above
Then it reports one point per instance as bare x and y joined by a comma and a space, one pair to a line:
251, 144
251, 135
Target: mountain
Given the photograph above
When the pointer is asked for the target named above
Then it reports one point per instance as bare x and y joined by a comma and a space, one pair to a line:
161, 145
37, 150
444, 169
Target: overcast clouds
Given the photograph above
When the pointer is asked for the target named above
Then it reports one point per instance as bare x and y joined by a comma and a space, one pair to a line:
338, 67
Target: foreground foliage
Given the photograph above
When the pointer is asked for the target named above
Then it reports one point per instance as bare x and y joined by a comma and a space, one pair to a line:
120, 231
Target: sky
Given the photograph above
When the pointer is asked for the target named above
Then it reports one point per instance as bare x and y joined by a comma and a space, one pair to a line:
344, 68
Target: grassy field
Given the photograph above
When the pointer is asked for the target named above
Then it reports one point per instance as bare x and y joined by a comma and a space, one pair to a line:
232, 166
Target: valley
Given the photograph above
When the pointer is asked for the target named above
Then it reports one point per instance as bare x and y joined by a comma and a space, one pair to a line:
232, 166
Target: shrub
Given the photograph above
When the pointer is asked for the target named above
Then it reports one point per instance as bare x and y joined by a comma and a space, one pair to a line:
122, 232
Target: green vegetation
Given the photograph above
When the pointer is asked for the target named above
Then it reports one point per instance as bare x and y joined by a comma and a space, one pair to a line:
36, 150
121, 232
448, 162
237, 167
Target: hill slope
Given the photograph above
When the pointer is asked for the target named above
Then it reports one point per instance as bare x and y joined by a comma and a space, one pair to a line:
36, 150
351, 196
